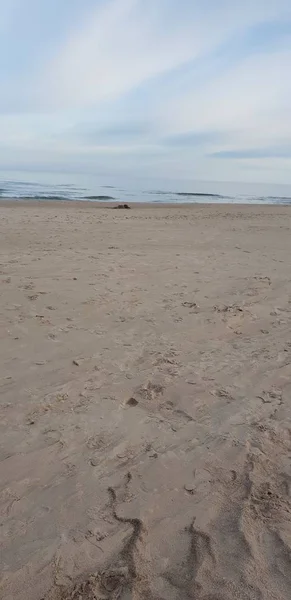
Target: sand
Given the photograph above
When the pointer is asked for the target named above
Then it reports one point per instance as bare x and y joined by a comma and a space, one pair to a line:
145, 402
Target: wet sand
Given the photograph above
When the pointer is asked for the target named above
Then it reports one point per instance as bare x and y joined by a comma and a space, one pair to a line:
145, 387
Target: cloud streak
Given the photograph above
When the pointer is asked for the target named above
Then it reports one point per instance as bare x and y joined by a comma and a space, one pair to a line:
183, 84
125, 43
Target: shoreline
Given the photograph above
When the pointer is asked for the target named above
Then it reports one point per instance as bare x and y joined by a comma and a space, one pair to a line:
12, 202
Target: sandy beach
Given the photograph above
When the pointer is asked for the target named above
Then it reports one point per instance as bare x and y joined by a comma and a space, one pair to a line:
145, 378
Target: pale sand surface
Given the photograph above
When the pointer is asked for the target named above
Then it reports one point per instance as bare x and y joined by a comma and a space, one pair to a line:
158, 466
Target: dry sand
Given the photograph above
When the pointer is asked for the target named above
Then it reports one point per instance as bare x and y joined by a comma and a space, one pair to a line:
145, 402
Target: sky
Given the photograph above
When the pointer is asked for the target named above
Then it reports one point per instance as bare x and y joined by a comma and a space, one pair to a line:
177, 89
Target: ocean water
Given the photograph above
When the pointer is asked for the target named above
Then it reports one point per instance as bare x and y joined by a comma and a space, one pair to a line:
58, 186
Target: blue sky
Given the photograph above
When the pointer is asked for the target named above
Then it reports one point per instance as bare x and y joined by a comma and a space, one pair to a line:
188, 89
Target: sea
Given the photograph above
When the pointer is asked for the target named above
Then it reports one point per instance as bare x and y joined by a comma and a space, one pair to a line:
95, 188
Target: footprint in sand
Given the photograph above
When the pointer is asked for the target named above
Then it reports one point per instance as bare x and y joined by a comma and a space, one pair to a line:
272, 396
233, 315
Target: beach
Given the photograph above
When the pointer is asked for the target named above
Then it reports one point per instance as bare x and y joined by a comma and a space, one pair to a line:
145, 380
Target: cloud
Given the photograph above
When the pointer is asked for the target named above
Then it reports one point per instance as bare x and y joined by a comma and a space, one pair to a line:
194, 139
198, 88
124, 43
119, 132
244, 96
272, 152
246, 113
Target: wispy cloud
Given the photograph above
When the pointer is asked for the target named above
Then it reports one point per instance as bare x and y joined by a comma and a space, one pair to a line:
271, 152
124, 43
170, 87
